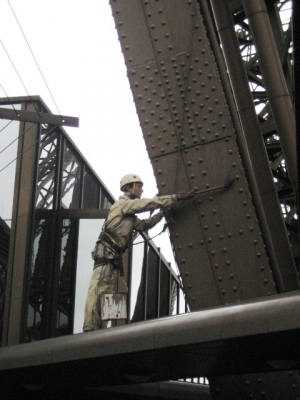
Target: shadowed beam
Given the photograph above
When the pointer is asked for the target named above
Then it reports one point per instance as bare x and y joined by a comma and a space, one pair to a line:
260, 336
38, 117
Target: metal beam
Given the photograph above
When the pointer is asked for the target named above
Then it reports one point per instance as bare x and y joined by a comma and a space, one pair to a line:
251, 337
38, 117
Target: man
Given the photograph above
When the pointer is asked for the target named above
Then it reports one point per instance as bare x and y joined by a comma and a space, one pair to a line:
116, 237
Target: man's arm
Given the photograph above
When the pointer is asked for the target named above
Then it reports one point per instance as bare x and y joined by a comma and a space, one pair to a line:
146, 224
140, 205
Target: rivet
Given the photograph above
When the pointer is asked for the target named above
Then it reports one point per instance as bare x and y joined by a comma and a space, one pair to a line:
234, 288
207, 185
251, 229
254, 241
218, 223
212, 252
192, 176
183, 261
258, 255
228, 262
203, 172
221, 237
214, 211
193, 298
230, 151
262, 268
190, 244
190, 286
163, 184
223, 291
240, 231
206, 227
216, 266
199, 201
248, 216
186, 273
202, 214
179, 247
241, 190
220, 279
200, 160
201, 242
265, 281
231, 276
209, 240
230, 234
224, 249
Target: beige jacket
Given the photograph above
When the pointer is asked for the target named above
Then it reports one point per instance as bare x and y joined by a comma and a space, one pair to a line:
123, 221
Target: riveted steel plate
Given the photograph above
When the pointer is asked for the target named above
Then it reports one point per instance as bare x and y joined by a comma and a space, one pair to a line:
191, 143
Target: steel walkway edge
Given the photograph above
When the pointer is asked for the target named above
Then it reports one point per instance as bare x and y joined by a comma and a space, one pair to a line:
251, 337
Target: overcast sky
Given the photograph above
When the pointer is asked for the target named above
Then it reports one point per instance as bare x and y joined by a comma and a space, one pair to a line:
76, 46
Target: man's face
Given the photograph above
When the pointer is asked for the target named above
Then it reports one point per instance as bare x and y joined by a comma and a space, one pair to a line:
138, 190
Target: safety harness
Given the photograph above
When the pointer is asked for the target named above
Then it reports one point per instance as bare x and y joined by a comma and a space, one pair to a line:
108, 239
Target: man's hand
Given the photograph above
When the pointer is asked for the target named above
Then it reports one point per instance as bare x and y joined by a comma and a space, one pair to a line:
185, 195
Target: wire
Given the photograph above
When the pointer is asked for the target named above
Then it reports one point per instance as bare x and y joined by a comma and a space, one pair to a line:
34, 57
17, 137
19, 76
11, 103
23, 152
4, 128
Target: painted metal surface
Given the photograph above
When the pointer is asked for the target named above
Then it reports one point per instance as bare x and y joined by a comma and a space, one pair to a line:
249, 337
191, 143
113, 306
190, 138
39, 117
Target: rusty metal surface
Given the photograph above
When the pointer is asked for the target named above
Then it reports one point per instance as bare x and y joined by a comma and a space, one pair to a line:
191, 143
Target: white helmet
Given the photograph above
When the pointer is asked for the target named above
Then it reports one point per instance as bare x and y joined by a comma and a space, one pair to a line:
127, 179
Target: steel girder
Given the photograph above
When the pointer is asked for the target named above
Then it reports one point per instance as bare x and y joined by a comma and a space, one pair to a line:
191, 142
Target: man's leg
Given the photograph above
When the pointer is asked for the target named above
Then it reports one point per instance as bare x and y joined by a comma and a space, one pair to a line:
102, 281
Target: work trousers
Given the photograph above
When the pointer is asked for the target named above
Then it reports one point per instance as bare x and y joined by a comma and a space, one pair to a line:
103, 280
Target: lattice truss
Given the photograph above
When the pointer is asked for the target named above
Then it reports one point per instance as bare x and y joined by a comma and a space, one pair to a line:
48, 166
280, 18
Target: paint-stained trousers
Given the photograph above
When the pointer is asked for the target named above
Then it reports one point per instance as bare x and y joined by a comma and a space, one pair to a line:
103, 280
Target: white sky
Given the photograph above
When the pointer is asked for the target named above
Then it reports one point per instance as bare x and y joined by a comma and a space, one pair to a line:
77, 49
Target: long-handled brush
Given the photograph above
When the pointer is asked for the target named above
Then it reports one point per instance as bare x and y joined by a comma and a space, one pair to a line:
229, 181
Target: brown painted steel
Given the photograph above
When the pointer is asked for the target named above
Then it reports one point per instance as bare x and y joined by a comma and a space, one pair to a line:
17, 271
277, 91
39, 117
191, 142
249, 337
255, 143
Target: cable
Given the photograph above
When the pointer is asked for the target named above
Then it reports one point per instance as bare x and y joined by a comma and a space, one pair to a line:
23, 152
9, 101
6, 127
19, 77
34, 57
17, 137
